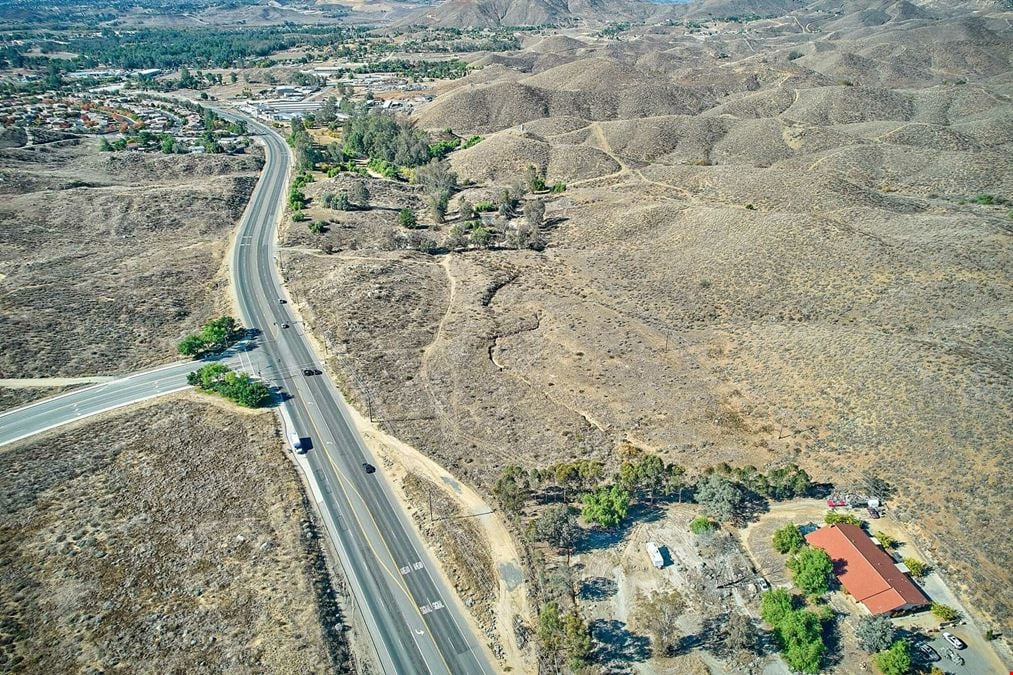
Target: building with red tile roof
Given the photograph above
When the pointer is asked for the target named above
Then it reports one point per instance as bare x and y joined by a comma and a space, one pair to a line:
866, 571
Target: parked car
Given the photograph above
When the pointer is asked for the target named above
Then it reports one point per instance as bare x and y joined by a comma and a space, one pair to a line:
928, 652
873, 513
954, 640
955, 657
835, 502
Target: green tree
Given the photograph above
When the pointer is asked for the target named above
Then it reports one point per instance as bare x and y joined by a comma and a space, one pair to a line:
811, 568
606, 506
167, 145
342, 202
557, 526
917, 568
105, 146
550, 628
894, 661
944, 612
191, 345
800, 636
576, 640
788, 539
720, 497
835, 518
875, 633
406, 218
702, 525
512, 489
317, 227
775, 605
360, 195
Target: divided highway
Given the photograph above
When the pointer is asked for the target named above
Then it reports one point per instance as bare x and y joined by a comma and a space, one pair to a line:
411, 615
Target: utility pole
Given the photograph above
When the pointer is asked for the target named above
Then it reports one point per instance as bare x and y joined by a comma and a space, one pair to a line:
431, 519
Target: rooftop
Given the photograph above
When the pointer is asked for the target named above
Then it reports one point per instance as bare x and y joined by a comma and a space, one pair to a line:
865, 570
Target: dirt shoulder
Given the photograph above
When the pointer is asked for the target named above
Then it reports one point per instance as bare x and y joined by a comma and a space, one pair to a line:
476, 551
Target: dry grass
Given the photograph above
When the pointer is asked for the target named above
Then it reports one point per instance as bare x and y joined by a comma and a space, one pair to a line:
173, 537
107, 259
787, 276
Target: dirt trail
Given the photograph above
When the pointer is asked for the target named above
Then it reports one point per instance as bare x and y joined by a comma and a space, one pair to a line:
33, 382
511, 604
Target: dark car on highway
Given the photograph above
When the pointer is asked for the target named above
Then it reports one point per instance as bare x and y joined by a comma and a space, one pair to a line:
368, 468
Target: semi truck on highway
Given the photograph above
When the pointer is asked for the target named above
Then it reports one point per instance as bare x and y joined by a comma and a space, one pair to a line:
297, 443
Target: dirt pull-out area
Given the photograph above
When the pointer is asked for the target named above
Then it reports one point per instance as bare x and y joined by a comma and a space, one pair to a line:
172, 537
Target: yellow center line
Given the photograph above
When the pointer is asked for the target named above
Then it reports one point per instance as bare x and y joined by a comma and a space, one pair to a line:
398, 579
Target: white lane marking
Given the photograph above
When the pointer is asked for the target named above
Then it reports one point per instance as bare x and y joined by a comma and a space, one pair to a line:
91, 413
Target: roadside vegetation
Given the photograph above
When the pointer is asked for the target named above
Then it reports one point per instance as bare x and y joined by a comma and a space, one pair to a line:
240, 388
215, 336
567, 504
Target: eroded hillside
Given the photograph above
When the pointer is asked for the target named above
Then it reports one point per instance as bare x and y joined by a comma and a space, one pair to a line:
780, 240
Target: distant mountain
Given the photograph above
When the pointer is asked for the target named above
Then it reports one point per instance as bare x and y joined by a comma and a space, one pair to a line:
491, 13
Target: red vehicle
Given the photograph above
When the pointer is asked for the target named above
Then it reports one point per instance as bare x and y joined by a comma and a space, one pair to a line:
835, 502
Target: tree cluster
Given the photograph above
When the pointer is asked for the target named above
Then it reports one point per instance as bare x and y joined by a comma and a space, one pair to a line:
239, 388
213, 337
383, 136
799, 632
564, 634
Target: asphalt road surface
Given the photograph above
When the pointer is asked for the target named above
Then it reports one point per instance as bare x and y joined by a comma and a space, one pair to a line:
412, 617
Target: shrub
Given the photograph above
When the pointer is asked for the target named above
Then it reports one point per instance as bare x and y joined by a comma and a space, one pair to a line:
472, 141
894, 661
944, 612
834, 518
794, 54
406, 218
811, 569
298, 216
558, 188
917, 568
788, 539
885, 540
702, 525
383, 167
317, 227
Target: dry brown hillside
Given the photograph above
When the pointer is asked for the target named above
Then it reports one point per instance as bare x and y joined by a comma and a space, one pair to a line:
106, 259
782, 239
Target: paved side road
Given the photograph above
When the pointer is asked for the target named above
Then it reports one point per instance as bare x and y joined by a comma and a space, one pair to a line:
53, 412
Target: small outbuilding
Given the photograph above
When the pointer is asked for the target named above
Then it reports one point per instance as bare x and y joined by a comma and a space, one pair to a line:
866, 571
